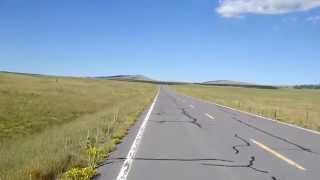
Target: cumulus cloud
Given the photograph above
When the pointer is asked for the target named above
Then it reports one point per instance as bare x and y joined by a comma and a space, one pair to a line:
236, 8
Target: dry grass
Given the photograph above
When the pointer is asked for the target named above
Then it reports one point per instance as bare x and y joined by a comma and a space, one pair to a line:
300, 107
45, 122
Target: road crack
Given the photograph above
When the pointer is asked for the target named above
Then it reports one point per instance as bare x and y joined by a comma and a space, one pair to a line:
193, 121
274, 136
250, 165
246, 144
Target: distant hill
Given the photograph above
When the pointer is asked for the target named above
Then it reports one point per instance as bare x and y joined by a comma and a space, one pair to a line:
308, 86
227, 82
25, 74
140, 78
127, 78
237, 84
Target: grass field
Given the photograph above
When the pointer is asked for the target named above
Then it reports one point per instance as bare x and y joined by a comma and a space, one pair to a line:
300, 107
46, 122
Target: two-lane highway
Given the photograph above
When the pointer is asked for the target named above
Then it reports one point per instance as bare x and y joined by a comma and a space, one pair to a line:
181, 138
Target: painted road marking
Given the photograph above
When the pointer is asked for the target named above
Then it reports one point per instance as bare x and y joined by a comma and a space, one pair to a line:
191, 106
126, 167
209, 116
255, 115
278, 155
251, 114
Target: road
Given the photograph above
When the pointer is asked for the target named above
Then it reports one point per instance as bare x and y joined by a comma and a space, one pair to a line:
181, 138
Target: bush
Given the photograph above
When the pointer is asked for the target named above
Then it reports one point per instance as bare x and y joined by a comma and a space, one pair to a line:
80, 173
95, 155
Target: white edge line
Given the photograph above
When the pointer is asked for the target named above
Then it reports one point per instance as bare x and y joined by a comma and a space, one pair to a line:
251, 114
192, 106
209, 116
278, 155
126, 167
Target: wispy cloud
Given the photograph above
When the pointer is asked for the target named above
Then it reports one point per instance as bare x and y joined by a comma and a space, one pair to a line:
314, 19
236, 8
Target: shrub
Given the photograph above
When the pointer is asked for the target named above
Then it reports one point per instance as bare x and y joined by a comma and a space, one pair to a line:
80, 173
94, 156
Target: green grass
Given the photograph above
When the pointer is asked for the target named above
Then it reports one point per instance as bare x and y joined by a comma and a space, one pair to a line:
300, 107
46, 122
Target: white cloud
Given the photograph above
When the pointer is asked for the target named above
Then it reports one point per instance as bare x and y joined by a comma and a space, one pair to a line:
236, 8
314, 19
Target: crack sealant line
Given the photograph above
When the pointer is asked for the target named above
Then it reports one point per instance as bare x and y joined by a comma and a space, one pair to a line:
254, 115
127, 165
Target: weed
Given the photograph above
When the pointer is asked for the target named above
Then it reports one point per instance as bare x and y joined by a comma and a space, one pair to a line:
80, 173
95, 155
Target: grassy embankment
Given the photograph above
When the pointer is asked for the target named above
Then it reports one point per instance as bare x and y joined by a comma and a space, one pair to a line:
300, 107
46, 122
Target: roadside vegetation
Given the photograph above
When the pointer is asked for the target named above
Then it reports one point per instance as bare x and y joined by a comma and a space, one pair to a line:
53, 125
296, 106
308, 86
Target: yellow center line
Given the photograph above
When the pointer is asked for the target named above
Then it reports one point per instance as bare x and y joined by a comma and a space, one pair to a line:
278, 155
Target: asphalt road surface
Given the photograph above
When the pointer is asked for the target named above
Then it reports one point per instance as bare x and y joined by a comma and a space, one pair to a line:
181, 138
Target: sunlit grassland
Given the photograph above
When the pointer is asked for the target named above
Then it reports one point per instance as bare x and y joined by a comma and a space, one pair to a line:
45, 122
300, 107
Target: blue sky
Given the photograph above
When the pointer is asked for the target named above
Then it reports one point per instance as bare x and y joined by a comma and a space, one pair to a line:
185, 40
